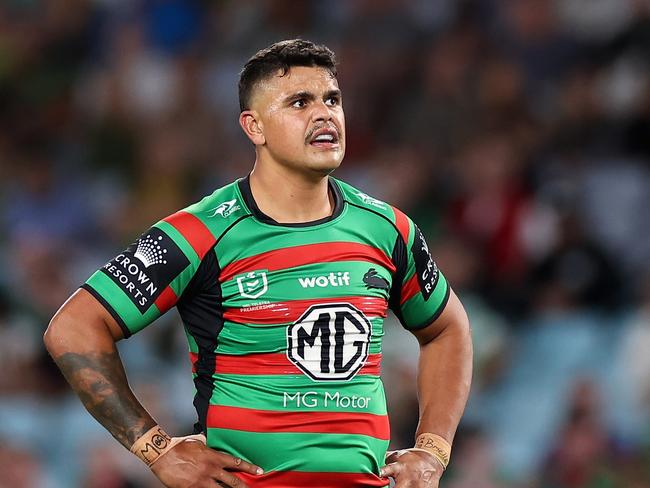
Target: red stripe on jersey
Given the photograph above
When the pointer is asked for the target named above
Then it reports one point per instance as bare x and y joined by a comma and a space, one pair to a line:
299, 479
166, 300
410, 288
402, 223
277, 363
323, 252
193, 230
290, 311
251, 420
272, 364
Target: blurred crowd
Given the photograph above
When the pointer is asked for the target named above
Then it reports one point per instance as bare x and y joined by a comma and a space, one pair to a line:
516, 133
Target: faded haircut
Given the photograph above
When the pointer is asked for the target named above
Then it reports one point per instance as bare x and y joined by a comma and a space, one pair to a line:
281, 56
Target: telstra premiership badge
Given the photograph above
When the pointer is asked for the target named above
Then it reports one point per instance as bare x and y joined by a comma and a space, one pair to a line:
253, 284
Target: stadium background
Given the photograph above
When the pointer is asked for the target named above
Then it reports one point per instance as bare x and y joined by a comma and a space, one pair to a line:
516, 133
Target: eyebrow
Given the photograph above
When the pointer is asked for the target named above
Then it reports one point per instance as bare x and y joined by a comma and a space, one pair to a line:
310, 96
333, 93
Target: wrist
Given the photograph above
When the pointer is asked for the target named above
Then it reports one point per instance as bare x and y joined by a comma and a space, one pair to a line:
435, 445
155, 443
152, 445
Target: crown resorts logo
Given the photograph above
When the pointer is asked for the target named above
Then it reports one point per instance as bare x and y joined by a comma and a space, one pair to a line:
150, 252
145, 269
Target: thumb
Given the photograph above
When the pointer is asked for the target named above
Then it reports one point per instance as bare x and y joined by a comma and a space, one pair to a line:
393, 456
390, 470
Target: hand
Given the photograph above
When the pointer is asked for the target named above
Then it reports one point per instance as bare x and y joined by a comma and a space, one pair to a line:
192, 464
412, 468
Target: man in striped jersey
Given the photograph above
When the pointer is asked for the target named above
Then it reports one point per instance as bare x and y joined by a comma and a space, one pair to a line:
282, 279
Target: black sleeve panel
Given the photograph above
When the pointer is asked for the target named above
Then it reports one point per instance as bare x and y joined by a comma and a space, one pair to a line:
399, 258
201, 310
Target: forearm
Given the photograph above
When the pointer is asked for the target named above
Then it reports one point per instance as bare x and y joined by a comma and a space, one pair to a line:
444, 377
98, 379
88, 358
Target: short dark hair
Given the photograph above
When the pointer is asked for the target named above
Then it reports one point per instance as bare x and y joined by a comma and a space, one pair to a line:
281, 56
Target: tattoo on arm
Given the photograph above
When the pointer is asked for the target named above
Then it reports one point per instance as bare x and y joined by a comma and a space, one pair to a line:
100, 381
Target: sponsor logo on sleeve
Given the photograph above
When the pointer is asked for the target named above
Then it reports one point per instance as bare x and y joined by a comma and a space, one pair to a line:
145, 269
425, 266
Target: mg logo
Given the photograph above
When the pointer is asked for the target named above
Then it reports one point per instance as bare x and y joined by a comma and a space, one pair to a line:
253, 284
329, 342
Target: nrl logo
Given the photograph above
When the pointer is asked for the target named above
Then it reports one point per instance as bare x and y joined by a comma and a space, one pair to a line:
225, 209
253, 284
368, 200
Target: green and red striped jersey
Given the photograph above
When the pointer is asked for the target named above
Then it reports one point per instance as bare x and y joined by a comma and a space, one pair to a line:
284, 324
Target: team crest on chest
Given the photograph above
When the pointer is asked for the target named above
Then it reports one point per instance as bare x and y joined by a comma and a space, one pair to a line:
253, 284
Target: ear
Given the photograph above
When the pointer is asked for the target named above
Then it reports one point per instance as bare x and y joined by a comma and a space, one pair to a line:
250, 124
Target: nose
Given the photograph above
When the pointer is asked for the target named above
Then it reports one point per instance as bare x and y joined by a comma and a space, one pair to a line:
321, 112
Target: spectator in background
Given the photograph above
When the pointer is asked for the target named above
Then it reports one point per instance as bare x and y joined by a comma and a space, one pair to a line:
584, 455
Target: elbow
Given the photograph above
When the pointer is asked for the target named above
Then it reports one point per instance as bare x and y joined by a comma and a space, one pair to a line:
63, 331
54, 334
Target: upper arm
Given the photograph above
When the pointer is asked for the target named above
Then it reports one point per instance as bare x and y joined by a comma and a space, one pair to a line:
81, 321
452, 317
148, 278
420, 291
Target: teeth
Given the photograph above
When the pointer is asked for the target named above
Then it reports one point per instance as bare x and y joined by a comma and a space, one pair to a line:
324, 138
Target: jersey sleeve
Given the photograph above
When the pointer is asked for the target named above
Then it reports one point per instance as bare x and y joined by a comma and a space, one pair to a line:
145, 280
419, 292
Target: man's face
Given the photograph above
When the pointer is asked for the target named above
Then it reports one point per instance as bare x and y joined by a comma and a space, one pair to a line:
300, 116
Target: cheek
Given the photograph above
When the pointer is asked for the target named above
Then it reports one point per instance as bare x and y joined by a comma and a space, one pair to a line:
286, 130
340, 117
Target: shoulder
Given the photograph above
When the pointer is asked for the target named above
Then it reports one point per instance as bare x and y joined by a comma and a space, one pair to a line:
222, 205
206, 221
375, 207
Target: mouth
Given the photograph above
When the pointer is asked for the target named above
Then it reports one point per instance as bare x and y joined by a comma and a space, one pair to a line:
325, 138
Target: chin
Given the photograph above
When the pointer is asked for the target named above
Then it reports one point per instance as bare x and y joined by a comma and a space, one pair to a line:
324, 168
327, 163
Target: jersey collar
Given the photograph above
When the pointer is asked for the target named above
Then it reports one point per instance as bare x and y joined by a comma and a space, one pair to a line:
245, 189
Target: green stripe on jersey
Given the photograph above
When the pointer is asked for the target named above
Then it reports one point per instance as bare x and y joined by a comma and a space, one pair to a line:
180, 241
373, 231
300, 451
241, 339
191, 342
417, 313
277, 392
122, 304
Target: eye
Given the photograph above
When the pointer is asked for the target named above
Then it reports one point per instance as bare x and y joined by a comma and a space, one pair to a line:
300, 103
332, 101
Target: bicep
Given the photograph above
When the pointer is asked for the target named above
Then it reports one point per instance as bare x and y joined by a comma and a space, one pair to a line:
81, 321
452, 317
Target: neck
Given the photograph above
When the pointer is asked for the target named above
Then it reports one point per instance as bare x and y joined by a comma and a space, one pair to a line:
288, 197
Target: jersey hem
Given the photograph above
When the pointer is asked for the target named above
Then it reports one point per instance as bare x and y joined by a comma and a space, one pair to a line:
109, 308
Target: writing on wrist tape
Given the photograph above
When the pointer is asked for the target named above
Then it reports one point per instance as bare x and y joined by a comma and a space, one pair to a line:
156, 442
436, 445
